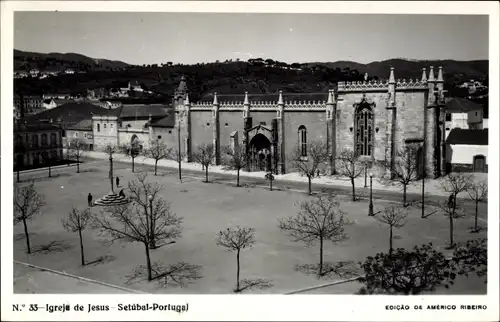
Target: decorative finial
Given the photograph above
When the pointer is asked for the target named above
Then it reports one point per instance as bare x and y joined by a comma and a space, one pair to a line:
330, 99
187, 100
366, 77
424, 75
440, 74
431, 74
245, 102
280, 98
391, 76
215, 99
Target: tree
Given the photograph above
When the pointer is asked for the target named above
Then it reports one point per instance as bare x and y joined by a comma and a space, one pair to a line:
77, 221
236, 159
478, 192
157, 151
316, 154
132, 150
146, 220
76, 149
319, 219
235, 240
205, 155
454, 184
270, 177
110, 150
404, 170
394, 217
27, 204
350, 167
408, 272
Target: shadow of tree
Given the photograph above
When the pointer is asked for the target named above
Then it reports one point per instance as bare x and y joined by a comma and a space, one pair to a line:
21, 236
55, 246
344, 269
102, 260
179, 274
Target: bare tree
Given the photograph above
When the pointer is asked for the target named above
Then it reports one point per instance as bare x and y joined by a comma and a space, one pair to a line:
394, 217
350, 166
319, 219
76, 149
205, 155
454, 184
77, 221
404, 169
27, 203
132, 150
478, 192
270, 177
148, 219
110, 150
235, 240
158, 150
317, 153
236, 159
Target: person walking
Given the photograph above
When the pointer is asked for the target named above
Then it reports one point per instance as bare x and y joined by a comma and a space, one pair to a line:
89, 199
117, 181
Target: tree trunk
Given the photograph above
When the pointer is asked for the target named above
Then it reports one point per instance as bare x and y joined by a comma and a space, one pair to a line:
451, 231
475, 217
404, 195
133, 164
320, 256
238, 179
156, 165
111, 173
206, 174
77, 164
390, 240
148, 262
50, 173
270, 185
27, 236
238, 270
81, 247
309, 179
353, 190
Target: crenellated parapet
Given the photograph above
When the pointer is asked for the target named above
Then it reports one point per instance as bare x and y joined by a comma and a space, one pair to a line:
381, 85
402, 84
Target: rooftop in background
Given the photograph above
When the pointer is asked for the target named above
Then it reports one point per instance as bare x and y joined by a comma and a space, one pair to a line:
461, 105
468, 137
24, 127
69, 114
166, 122
83, 125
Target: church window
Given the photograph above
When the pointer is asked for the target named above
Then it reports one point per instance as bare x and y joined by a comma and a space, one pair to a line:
169, 131
328, 114
227, 124
98, 127
303, 141
364, 130
159, 137
208, 124
44, 140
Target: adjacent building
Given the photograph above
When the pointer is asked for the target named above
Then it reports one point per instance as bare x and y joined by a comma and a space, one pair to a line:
467, 150
464, 114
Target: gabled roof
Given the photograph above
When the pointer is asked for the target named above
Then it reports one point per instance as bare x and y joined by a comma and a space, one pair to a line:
83, 125
468, 137
168, 121
69, 114
37, 127
143, 111
461, 105
287, 97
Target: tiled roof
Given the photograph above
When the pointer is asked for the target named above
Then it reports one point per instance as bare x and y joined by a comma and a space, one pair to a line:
143, 111
83, 125
167, 121
68, 114
23, 127
468, 137
461, 105
287, 97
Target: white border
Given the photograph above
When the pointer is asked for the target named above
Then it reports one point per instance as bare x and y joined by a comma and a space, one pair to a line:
244, 307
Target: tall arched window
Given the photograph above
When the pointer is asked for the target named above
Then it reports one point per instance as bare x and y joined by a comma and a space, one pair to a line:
53, 139
44, 139
34, 141
303, 141
363, 123
98, 127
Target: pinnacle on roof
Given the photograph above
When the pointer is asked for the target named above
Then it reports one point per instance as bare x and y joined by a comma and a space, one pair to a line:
182, 85
431, 74
331, 97
440, 74
215, 99
424, 75
187, 100
391, 76
280, 99
245, 102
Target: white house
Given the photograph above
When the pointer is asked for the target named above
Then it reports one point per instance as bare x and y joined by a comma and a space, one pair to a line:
463, 114
467, 150
49, 103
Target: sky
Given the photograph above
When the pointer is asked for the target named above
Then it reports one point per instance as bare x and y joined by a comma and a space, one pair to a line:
148, 38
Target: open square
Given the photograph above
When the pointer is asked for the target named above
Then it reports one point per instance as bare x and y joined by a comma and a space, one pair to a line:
206, 209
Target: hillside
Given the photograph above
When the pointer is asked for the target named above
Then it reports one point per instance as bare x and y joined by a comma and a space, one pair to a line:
24, 60
235, 77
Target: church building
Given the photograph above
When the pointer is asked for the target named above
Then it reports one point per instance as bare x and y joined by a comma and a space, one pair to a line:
372, 118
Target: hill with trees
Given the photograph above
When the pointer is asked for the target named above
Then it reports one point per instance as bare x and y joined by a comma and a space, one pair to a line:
235, 77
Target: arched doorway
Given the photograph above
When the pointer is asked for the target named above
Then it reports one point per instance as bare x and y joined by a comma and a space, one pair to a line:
260, 153
135, 145
479, 163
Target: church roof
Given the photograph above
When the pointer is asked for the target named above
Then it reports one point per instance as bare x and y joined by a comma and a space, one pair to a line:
26, 127
143, 111
287, 97
168, 121
461, 105
69, 113
468, 137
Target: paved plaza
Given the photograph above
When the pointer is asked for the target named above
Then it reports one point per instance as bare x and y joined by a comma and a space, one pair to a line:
208, 208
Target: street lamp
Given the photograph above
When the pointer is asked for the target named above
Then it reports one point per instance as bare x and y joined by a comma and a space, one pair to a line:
370, 207
365, 174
